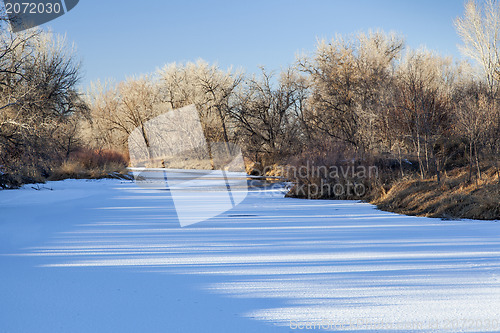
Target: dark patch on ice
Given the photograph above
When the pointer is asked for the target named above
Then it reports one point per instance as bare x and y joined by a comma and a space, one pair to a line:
241, 215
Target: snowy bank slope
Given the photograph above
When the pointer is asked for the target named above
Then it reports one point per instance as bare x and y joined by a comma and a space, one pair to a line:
107, 256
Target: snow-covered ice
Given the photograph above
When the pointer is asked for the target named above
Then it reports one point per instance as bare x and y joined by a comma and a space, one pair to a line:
109, 256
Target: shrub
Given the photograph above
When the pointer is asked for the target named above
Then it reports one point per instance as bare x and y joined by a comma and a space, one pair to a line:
92, 164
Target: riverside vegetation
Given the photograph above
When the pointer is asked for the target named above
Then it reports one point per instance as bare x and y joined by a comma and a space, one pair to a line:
429, 125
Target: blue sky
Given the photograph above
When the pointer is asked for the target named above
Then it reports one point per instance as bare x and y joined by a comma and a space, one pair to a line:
116, 39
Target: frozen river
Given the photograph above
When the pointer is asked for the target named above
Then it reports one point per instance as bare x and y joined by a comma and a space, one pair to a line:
108, 256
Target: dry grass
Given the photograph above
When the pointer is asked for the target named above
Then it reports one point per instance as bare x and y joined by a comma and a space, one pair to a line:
453, 198
92, 164
185, 163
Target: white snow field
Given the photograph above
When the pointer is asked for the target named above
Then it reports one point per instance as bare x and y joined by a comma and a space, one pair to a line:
108, 256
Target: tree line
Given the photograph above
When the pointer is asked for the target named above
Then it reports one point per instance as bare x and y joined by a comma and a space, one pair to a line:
365, 93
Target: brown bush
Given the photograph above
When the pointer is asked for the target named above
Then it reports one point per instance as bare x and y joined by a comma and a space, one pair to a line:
92, 164
93, 158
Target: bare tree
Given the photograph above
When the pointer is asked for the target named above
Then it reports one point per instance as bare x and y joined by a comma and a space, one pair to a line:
269, 115
479, 29
118, 110
38, 99
422, 101
347, 77
471, 118
210, 88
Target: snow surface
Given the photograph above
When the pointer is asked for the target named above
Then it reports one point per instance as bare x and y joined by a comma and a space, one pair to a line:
109, 256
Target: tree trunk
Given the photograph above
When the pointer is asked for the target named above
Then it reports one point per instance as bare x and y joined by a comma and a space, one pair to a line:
400, 161
420, 163
470, 161
477, 161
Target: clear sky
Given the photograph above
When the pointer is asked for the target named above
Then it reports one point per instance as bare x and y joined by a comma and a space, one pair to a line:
116, 39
